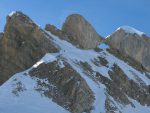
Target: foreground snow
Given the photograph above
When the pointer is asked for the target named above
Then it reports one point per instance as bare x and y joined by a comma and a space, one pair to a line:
27, 100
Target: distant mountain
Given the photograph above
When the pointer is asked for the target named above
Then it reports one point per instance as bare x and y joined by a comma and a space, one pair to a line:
66, 71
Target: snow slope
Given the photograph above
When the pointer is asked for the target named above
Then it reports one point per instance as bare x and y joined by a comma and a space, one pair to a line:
28, 100
73, 54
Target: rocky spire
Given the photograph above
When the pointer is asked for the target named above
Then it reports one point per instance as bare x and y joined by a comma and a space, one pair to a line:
82, 32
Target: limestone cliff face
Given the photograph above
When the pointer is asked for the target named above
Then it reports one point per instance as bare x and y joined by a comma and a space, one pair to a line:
23, 44
134, 45
83, 32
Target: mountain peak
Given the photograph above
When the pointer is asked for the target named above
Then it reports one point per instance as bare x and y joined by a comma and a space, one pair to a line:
82, 31
19, 16
130, 30
13, 13
75, 15
16, 13
133, 43
23, 43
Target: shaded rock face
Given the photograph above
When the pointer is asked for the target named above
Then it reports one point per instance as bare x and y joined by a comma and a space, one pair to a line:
23, 44
69, 89
82, 31
132, 45
1, 35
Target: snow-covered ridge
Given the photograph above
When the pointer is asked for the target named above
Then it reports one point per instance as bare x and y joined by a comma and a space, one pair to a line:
131, 30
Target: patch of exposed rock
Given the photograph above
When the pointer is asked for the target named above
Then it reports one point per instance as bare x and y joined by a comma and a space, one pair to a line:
66, 87
133, 45
55, 31
22, 45
82, 32
61, 34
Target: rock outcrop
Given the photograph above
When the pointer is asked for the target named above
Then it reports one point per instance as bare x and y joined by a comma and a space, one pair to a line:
82, 32
71, 90
55, 31
132, 43
23, 44
61, 34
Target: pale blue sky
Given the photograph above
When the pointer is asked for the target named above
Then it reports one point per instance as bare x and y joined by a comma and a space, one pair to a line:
104, 15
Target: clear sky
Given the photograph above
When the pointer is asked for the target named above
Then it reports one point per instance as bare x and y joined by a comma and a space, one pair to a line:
105, 15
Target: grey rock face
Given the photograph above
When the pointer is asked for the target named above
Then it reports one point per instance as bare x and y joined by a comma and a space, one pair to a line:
132, 45
82, 31
22, 45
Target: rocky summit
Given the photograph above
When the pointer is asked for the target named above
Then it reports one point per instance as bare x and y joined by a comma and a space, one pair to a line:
66, 71
22, 44
133, 43
83, 33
